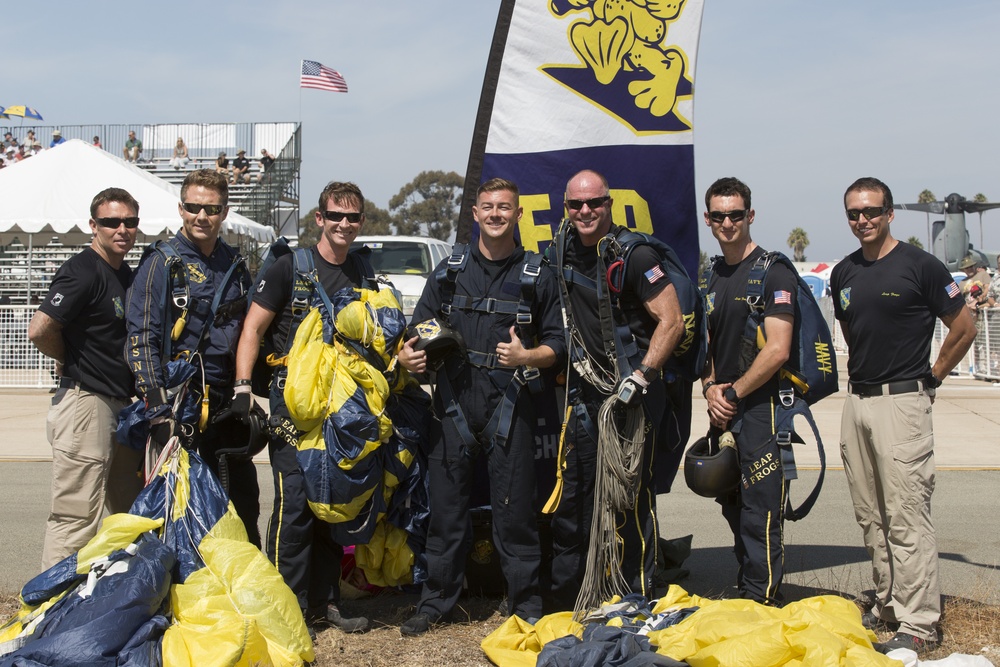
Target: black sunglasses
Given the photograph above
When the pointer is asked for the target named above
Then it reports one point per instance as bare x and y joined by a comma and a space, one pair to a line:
870, 212
210, 209
337, 216
115, 223
720, 216
596, 202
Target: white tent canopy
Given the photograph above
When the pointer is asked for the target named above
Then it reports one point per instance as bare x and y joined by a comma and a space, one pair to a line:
50, 194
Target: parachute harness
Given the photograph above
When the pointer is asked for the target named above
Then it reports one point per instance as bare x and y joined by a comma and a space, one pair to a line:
621, 431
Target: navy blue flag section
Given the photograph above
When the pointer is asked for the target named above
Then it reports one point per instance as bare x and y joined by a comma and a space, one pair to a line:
585, 84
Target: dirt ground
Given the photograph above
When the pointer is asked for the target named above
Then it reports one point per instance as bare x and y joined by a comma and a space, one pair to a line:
968, 627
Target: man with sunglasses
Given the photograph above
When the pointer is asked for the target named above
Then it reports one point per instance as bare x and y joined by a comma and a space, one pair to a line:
740, 384
887, 296
189, 299
647, 301
298, 543
81, 324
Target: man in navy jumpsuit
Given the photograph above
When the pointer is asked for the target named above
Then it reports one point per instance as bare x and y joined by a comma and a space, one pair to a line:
483, 310
655, 321
299, 544
207, 261
742, 395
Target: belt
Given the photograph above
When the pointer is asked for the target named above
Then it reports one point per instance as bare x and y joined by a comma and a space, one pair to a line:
888, 389
70, 383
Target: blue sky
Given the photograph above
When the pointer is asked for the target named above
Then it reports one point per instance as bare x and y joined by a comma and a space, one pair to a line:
796, 98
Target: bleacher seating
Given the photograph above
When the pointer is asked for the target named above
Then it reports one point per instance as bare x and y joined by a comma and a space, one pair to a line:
161, 168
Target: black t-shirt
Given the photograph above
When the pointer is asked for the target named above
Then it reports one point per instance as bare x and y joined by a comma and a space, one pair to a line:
266, 162
889, 307
241, 163
642, 282
727, 308
274, 293
87, 297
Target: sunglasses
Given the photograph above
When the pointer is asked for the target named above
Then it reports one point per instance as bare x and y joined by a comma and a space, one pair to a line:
720, 216
596, 202
114, 223
337, 216
210, 209
870, 212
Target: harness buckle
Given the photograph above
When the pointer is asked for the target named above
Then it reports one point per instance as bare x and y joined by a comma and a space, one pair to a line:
180, 300
786, 397
524, 318
783, 438
532, 271
491, 305
530, 373
446, 309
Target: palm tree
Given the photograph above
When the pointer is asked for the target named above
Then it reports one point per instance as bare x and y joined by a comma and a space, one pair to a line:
980, 198
797, 241
914, 241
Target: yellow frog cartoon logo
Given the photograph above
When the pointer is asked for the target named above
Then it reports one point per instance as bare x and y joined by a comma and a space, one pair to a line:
628, 67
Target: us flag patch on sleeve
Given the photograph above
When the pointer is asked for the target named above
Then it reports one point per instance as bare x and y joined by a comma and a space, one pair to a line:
953, 290
783, 296
654, 274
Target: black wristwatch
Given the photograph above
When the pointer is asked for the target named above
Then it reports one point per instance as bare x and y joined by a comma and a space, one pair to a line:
648, 373
708, 385
730, 395
931, 381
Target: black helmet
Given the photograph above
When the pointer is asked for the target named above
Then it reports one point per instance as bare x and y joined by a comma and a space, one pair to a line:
437, 340
710, 470
250, 437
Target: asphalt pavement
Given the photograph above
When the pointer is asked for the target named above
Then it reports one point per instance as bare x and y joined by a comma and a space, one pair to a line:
824, 551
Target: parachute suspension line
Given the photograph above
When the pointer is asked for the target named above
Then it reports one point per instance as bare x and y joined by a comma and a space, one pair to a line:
589, 368
621, 434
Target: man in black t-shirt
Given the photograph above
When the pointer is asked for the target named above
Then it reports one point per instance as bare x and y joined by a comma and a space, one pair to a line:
887, 296
740, 384
81, 324
299, 544
241, 167
647, 302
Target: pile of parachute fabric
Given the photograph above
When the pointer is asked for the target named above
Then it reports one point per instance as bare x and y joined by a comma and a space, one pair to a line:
364, 419
173, 582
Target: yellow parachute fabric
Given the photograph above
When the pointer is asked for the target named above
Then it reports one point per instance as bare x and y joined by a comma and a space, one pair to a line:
517, 643
315, 362
387, 558
822, 631
236, 610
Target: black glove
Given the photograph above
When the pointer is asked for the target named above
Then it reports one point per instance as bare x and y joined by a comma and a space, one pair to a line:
161, 432
629, 389
241, 405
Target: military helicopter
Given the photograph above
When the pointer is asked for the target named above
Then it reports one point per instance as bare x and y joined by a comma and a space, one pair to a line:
950, 238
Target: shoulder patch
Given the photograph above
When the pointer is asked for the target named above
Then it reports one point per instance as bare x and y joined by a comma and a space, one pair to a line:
845, 297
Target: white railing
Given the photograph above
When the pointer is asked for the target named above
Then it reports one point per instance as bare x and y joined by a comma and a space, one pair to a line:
21, 364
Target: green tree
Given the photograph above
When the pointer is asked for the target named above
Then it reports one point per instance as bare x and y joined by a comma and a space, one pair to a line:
914, 241
308, 229
797, 241
980, 198
926, 197
429, 204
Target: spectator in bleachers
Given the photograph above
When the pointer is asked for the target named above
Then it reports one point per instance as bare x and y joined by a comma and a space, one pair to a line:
57, 138
81, 325
133, 148
180, 158
36, 148
266, 160
29, 140
97, 142
241, 167
8, 155
222, 164
9, 140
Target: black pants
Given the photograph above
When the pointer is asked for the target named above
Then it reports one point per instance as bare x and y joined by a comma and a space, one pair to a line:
756, 511
515, 525
299, 544
571, 522
244, 490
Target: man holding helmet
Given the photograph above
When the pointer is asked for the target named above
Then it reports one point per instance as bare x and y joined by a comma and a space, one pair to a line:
741, 387
484, 402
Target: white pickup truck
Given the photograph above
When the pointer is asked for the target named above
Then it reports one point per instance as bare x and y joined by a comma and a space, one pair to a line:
407, 261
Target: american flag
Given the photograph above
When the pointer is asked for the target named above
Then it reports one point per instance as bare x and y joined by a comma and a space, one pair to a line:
654, 274
321, 77
953, 290
783, 296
